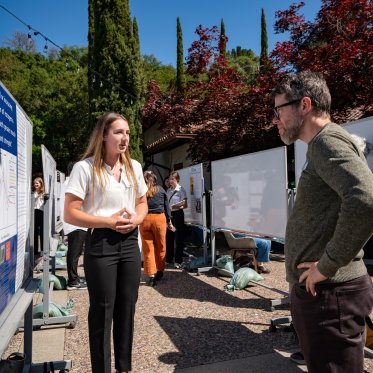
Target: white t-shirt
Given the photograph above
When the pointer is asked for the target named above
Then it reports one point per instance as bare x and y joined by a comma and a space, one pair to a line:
67, 228
117, 195
39, 201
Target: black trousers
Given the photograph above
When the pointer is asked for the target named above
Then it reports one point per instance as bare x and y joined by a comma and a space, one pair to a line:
75, 249
330, 325
38, 231
112, 265
178, 236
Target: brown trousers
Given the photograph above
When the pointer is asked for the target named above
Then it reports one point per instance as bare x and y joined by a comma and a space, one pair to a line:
153, 236
330, 325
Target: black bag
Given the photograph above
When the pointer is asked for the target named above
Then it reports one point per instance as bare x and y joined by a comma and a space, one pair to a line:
13, 364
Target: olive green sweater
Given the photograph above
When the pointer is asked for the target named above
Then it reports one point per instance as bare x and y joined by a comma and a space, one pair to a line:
333, 213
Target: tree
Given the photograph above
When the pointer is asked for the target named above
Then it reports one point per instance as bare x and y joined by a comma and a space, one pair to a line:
227, 116
54, 96
164, 75
263, 39
180, 78
115, 79
337, 44
223, 39
21, 41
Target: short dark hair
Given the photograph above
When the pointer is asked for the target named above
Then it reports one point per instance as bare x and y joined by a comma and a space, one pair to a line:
175, 174
306, 84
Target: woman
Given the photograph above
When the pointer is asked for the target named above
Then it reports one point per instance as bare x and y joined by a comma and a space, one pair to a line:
153, 229
38, 189
106, 193
178, 201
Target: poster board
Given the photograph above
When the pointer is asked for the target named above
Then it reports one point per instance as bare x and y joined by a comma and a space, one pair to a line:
249, 193
191, 179
15, 192
58, 187
49, 174
362, 128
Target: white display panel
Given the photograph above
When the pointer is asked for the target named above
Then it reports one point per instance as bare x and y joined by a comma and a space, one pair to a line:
15, 181
191, 179
249, 193
362, 128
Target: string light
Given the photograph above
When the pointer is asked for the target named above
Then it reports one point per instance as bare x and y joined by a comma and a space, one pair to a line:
47, 40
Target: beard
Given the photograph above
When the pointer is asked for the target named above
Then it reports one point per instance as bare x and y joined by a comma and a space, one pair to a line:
291, 134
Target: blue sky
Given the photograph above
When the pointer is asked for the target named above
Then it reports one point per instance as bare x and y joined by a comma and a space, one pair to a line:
65, 22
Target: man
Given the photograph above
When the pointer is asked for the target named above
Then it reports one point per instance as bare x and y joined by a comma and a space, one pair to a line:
330, 223
75, 238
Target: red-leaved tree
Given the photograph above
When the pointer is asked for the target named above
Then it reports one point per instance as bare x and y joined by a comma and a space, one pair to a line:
339, 44
227, 116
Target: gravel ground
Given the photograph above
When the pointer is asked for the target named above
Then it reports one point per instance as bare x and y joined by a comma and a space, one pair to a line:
189, 320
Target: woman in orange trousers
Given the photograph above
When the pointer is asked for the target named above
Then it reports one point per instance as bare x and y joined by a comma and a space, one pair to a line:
153, 229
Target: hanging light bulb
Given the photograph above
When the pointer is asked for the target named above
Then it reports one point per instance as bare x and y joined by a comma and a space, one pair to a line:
101, 84
67, 63
45, 48
93, 79
78, 70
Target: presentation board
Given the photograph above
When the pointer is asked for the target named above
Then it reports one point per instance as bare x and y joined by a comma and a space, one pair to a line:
249, 193
191, 179
362, 128
49, 174
15, 192
59, 180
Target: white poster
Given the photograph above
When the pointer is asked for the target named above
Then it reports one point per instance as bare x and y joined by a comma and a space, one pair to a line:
49, 173
191, 179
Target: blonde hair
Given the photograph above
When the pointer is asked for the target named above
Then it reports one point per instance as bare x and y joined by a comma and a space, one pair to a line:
151, 183
96, 150
40, 180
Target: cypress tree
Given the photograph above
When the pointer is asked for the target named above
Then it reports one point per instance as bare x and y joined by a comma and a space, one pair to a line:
180, 77
264, 39
223, 43
115, 78
135, 31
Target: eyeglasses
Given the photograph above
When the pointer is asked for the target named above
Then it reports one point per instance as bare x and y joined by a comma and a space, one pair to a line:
275, 109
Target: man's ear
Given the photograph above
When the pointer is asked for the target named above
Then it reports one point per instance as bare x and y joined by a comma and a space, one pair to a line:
306, 104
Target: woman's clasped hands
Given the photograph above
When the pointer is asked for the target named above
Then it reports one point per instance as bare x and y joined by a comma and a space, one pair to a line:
123, 221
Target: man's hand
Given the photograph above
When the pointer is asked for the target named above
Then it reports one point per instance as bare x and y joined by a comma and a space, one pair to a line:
311, 275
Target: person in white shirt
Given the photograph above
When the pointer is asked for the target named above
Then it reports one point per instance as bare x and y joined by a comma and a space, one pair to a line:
75, 241
38, 189
177, 199
107, 194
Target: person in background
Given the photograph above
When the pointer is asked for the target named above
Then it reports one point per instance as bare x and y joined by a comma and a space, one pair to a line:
177, 198
38, 189
75, 242
107, 194
153, 229
166, 183
262, 254
331, 292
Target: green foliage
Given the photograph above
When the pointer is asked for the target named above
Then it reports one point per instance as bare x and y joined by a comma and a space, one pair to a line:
263, 39
116, 79
245, 62
180, 76
53, 94
164, 75
223, 39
